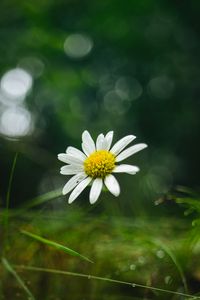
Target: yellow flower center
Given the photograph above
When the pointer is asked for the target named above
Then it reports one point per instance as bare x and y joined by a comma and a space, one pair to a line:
99, 164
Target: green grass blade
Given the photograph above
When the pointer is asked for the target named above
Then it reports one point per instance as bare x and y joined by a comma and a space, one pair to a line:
193, 204
55, 245
9, 189
132, 284
10, 269
41, 199
186, 190
168, 251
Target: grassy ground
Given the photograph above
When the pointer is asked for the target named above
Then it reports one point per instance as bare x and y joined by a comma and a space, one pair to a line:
153, 252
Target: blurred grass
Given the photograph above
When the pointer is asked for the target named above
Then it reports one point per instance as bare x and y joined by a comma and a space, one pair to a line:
122, 248
10, 269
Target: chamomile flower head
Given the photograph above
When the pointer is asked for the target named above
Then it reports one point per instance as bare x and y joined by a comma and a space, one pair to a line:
96, 164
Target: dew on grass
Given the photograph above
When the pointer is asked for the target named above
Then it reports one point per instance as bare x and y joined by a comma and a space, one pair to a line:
160, 254
168, 279
132, 267
141, 260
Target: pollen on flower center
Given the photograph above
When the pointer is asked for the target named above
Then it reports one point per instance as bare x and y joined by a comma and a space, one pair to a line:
99, 164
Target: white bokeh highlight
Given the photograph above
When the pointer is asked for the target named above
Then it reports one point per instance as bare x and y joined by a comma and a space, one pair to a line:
16, 122
15, 84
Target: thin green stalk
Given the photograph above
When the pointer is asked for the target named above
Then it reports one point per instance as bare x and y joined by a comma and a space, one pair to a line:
132, 284
10, 269
6, 216
10, 181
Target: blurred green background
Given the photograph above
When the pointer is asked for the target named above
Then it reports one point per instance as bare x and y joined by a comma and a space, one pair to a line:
128, 66
132, 67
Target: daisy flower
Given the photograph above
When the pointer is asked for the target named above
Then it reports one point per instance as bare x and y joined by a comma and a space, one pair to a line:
96, 163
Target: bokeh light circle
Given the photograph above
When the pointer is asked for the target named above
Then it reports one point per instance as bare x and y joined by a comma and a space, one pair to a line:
78, 45
16, 83
16, 122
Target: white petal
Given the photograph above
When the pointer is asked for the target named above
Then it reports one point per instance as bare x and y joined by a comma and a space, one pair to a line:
100, 142
69, 159
62, 157
108, 140
130, 151
71, 170
79, 188
87, 139
87, 149
121, 144
96, 190
76, 152
112, 185
73, 182
126, 169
